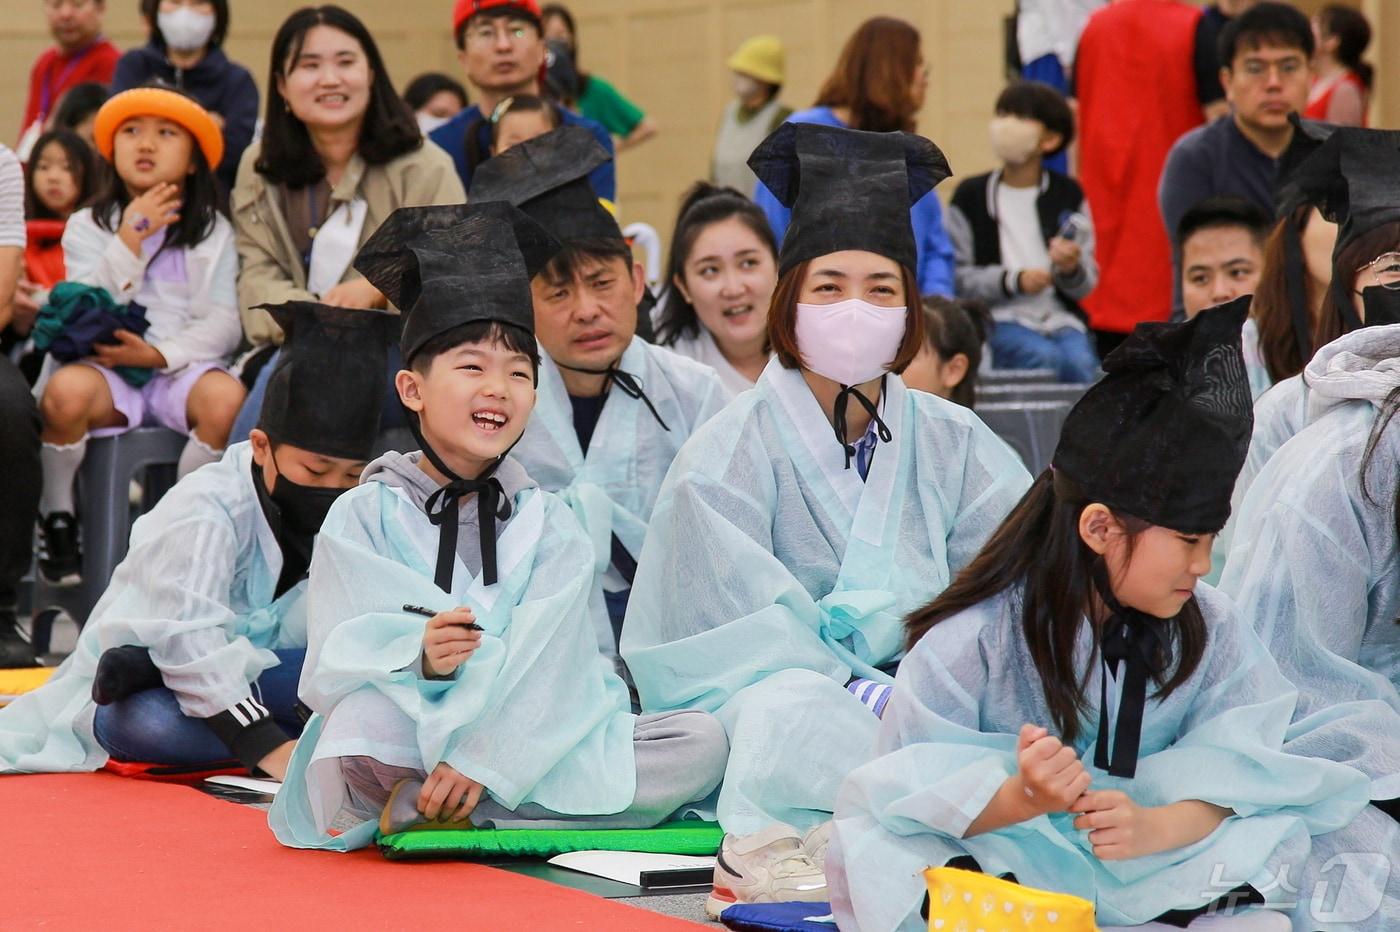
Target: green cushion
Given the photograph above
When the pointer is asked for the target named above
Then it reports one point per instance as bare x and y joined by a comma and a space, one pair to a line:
688, 837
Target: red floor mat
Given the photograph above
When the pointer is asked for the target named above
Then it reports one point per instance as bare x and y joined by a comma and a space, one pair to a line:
90, 851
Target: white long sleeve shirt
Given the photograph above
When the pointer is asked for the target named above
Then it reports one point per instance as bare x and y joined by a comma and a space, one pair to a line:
191, 321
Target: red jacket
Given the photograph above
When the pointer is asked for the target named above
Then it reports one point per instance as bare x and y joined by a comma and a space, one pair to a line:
1137, 94
43, 252
55, 73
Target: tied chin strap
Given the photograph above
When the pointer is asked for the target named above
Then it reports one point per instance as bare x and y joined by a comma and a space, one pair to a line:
842, 399
1136, 644
442, 507
626, 382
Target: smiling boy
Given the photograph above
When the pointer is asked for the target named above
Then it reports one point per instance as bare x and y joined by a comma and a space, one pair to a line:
451, 656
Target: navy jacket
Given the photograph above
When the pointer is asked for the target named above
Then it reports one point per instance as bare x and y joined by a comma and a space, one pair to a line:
452, 137
221, 86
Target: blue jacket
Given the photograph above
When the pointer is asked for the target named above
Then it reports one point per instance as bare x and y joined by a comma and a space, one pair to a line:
221, 86
452, 137
936, 258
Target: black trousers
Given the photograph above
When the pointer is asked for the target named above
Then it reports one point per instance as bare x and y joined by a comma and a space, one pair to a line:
20, 478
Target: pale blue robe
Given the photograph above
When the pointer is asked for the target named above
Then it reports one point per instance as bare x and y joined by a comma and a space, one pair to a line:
773, 575
613, 488
948, 743
536, 714
196, 588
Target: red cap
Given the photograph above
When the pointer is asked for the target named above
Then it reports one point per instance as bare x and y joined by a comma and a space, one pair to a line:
464, 10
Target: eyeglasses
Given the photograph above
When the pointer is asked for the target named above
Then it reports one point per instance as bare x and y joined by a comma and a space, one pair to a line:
487, 33
1386, 269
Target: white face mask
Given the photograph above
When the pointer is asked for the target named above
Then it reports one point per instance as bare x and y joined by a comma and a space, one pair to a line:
185, 29
745, 86
850, 342
1014, 140
428, 122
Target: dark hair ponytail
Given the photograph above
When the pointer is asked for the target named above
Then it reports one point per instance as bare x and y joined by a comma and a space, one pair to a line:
1038, 544
1353, 34
953, 326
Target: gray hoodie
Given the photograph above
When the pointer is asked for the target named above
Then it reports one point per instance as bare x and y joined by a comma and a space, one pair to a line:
401, 471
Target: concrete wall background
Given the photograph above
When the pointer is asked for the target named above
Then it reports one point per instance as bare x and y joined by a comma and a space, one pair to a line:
668, 56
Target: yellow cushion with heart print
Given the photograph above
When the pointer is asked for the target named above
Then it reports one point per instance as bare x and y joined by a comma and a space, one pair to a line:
966, 901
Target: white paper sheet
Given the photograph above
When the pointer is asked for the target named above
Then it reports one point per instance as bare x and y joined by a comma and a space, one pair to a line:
627, 866
268, 787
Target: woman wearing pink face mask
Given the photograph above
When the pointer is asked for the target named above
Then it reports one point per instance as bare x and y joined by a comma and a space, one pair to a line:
797, 527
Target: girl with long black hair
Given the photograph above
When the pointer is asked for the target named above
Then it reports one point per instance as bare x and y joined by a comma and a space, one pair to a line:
1076, 711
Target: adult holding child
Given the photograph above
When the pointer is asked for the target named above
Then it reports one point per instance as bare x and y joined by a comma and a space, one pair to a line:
340, 151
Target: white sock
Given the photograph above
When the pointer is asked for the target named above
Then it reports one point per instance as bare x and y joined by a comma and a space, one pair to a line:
196, 453
60, 465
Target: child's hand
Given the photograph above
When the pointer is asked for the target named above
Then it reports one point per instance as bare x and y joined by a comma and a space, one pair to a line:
25, 307
1119, 828
448, 796
355, 293
1032, 281
1064, 254
150, 212
447, 642
1051, 773
129, 350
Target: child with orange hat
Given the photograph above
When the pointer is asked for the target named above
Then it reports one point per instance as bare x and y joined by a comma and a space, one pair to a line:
157, 246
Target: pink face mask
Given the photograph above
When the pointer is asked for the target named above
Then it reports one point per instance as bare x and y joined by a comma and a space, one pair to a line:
850, 342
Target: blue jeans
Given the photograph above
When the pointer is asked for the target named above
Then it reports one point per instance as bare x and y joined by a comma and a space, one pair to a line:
148, 727
248, 415
1068, 351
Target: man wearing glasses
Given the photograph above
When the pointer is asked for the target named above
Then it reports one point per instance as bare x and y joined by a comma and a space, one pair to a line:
1265, 54
81, 55
501, 47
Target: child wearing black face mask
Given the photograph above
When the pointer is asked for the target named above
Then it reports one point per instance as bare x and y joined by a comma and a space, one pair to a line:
208, 607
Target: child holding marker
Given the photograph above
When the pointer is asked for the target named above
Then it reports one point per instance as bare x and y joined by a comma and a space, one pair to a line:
499, 708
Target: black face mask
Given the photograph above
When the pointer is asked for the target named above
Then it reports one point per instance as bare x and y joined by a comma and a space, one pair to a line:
295, 513
303, 507
1382, 306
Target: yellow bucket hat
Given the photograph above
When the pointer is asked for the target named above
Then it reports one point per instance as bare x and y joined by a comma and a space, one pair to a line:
760, 57
158, 102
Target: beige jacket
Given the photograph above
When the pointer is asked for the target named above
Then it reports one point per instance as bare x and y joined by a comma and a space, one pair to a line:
270, 266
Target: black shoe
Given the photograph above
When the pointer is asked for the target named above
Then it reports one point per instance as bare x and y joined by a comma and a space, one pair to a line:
122, 671
15, 649
60, 557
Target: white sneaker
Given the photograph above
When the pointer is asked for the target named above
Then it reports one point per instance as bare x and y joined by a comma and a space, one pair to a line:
815, 842
770, 866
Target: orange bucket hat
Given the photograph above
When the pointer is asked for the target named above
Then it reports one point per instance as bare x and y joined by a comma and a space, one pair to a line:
158, 102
